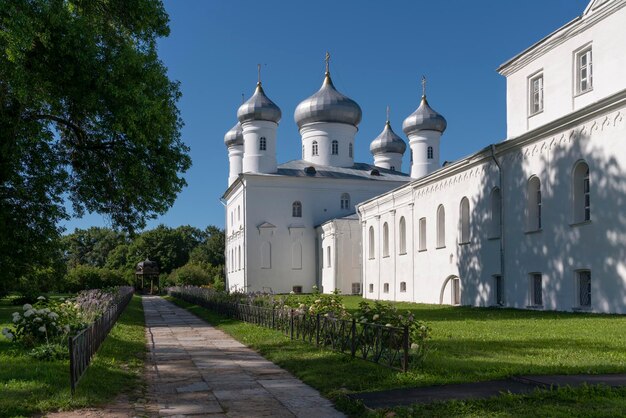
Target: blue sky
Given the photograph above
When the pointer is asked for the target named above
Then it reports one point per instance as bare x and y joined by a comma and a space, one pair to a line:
379, 51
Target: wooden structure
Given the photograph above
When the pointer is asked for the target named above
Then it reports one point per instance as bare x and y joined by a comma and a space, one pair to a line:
147, 270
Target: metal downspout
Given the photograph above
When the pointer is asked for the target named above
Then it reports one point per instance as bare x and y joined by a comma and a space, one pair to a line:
495, 160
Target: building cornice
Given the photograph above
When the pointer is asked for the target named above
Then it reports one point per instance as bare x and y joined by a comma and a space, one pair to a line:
561, 35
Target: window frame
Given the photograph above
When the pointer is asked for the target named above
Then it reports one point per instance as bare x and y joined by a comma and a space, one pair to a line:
372, 243
584, 52
334, 147
345, 201
350, 150
385, 240
441, 226
422, 244
579, 291
402, 287
262, 144
535, 278
430, 152
385, 287
464, 221
402, 236
314, 149
296, 209
536, 107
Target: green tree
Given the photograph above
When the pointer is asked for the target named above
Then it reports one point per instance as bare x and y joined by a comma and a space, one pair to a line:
88, 114
91, 246
211, 250
169, 247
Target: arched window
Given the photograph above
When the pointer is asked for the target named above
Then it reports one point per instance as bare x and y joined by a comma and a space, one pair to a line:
441, 227
496, 212
266, 255
345, 201
422, 240
232, 218
296, 209
534, 204
372, 246
402, 234
464, 217
385, 240
239, 258
350, 150
402, 287
314, 148
238, 213
392, 168
429, 153
335, 147
328, 256
262, 144
581, 191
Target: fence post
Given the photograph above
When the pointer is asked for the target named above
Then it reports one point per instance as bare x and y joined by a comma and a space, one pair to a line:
352, 338
405, 366
317, 330
291, 325
70, 345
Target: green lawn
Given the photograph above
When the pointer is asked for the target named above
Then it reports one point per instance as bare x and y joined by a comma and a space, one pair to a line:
468, 344
29, 386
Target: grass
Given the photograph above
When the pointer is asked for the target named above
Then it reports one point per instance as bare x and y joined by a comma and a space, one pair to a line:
29, 386
468, 344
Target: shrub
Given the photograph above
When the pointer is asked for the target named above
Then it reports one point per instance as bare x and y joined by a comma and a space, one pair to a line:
84, 277
189, 275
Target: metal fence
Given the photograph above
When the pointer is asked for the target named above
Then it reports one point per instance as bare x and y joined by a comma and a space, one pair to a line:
85, 344
388, 346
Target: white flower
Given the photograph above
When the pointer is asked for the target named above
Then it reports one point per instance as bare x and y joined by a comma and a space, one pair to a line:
29, 313
41, 298
37, 319
5, 331
414, 346
375, 317
388, 325
9, 336
292, 293
42, 328
66, 328
53, 315
318, 301
27, 307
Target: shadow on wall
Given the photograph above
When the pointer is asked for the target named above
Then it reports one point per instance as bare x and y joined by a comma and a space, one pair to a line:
546, 233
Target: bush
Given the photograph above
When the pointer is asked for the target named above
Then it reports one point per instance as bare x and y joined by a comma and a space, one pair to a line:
190, 275
89, 277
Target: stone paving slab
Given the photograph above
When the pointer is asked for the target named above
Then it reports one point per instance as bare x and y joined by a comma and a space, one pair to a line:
198, 370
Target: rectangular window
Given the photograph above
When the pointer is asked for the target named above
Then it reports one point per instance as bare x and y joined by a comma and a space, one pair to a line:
536, 289
356, 288
584, 71
584, 288
403, 287
297, 289
262, 144
371, 288
536, 94
386, 288
422, 240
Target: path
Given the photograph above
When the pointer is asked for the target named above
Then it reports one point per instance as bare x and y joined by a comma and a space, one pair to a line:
481, 390
196, 369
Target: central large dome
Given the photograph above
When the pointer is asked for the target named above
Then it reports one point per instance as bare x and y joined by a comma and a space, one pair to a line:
328, 105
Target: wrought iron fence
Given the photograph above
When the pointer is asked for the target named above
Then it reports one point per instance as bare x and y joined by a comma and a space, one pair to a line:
380, 344
85, 344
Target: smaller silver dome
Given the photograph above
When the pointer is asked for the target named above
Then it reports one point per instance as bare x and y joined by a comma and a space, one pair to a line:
328, 105
259, 107
234, 136
424, 119
387, 141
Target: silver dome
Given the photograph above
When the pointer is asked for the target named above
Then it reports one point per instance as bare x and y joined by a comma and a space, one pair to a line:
328, 105
259, 107
234, 136
424, 119
387, 141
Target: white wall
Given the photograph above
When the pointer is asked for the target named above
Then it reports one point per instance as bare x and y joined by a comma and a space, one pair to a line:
555, 58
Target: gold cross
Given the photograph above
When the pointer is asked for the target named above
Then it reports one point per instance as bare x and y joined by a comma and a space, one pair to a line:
327, 59
387, 113
424, 86
258, 67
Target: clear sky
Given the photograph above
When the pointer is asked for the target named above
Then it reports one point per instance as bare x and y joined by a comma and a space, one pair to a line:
379, 51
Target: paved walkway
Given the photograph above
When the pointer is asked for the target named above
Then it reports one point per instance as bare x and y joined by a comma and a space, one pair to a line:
480, 390
196, 369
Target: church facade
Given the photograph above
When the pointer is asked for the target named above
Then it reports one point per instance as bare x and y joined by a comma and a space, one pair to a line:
537, 221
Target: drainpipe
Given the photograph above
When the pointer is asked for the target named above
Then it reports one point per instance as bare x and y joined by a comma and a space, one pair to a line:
226, 259
495, 160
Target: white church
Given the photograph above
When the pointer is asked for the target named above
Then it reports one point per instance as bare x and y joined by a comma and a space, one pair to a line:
537, 221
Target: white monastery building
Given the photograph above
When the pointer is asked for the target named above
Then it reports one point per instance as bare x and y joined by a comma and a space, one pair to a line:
537, 221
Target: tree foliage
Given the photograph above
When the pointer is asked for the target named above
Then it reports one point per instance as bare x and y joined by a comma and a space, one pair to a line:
87, 114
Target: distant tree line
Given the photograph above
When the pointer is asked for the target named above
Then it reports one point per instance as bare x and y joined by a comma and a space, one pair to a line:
102, 257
